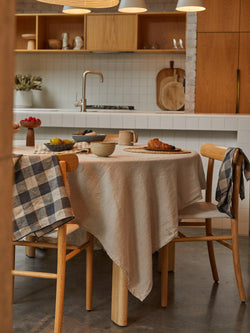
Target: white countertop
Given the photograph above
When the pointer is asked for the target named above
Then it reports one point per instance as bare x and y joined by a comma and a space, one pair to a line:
119, 119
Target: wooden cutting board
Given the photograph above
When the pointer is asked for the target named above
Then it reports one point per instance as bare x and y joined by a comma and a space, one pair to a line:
169, 88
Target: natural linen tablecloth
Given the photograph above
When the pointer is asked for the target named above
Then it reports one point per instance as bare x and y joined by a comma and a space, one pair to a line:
130, 202
40, 201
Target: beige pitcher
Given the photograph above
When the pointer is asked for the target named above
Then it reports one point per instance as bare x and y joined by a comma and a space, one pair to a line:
127, 138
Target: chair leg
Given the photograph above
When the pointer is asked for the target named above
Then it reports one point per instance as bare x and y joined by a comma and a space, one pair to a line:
60, 284
210, 248
236, 260
13, 267
30, 251
164, 275
89, 271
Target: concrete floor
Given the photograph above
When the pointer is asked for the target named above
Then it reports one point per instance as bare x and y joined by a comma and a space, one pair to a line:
196, 304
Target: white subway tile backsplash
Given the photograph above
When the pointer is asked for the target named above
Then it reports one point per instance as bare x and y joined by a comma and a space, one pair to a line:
129, 79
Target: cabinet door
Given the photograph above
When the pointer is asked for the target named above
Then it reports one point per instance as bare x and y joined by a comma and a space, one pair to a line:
245, 15
220, 16
216, 79
244, 66
111, 32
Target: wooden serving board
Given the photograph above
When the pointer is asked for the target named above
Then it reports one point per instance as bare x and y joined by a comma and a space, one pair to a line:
147, 151
175, 98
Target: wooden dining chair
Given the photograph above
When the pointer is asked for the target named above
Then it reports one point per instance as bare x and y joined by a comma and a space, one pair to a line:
207, 211
68, 162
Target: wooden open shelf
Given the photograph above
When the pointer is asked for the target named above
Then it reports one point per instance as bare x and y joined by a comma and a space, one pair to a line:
142, 33
156, 31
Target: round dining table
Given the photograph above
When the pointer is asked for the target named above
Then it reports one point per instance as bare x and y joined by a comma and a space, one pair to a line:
130, 201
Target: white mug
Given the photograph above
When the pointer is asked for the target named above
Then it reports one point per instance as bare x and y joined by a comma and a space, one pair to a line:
127, 138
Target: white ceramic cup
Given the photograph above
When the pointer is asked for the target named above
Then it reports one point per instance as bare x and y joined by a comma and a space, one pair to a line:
127, 138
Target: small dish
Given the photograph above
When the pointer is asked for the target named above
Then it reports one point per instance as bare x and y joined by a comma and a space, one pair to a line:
88, 138
59, 147
102, 149
55, 44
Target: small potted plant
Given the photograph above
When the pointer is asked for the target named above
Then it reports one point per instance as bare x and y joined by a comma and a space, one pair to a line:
24, 84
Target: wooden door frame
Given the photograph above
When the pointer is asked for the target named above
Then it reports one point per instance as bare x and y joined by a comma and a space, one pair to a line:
7, 39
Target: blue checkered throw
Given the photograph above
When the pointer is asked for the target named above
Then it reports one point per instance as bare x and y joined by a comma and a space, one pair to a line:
224, 190
40, 201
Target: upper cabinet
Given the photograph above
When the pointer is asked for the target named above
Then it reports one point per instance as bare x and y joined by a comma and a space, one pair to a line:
109, 32
225, 16
219, 16
245, 16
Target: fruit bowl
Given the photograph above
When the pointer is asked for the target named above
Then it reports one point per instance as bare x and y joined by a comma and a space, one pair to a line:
88, 138
30, 124
59, 147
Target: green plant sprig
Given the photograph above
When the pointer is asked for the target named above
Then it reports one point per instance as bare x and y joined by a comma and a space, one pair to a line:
27, 82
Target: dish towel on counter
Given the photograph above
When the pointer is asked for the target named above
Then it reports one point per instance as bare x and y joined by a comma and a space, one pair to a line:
224, 190
40, 201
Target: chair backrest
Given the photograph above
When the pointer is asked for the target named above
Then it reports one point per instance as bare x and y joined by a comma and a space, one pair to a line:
216, 152
68, 162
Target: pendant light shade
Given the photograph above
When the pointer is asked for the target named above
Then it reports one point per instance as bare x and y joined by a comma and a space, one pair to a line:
75, 10
83, 3
190, 5
132, 6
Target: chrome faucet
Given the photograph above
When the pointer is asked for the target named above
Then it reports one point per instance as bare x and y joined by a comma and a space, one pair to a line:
83, 102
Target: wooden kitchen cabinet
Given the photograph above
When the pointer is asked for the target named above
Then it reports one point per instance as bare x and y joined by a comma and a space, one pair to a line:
157, 31
25, 24
52, 27
219, 16
216, 77
111, 32
245, 16
244, 73
223, 58
47, 26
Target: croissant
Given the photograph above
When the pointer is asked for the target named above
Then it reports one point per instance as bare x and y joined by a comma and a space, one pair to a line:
156, 144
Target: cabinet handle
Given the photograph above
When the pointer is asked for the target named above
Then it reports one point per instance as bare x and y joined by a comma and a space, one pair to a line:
238, 91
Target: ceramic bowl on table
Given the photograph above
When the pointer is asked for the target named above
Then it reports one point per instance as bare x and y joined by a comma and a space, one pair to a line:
59, 147
102, 149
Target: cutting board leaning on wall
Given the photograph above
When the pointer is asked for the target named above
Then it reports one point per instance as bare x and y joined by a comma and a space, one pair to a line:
170, 93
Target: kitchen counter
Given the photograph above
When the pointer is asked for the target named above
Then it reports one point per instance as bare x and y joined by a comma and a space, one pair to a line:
136, 119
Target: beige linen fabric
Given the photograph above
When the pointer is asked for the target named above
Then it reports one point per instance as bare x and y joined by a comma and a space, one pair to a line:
130, 203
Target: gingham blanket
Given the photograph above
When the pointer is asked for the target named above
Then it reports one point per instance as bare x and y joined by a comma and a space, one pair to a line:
41, 203
224, 190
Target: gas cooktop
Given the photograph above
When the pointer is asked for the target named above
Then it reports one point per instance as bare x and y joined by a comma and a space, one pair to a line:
111, 107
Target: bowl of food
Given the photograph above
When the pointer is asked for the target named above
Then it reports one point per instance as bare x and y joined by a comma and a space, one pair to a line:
88, 136
102, 149
57, 144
